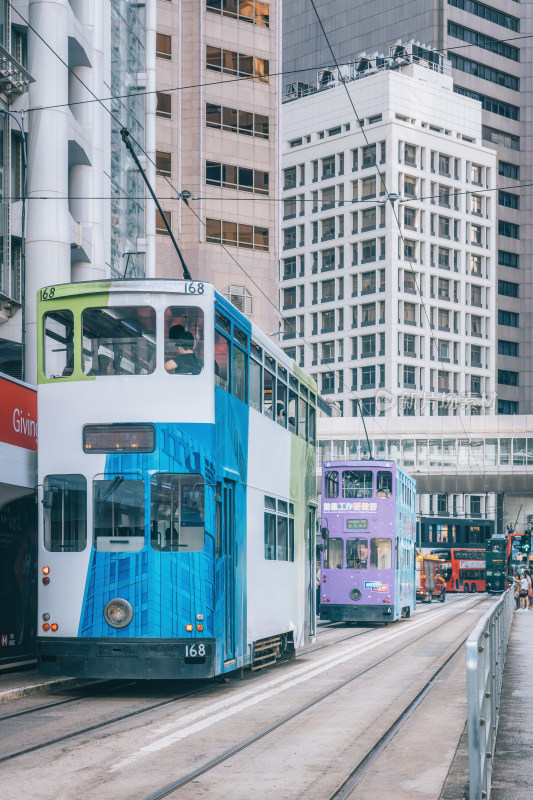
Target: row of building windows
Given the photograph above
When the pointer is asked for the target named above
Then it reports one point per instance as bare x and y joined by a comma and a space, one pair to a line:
231, 176
231, 63
490, 103
246, 123
485, 42
485, 72
508, 288
507, 377
509, 318
507, 348
432, 452
487, 12
508, 199
508, 229
500, 138
508, 170
236, 234
253, 11
506, 259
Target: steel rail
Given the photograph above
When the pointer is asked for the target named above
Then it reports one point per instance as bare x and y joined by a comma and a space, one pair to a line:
169, 789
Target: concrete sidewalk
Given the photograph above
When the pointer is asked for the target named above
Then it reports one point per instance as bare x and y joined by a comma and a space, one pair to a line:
24, 683
512, 775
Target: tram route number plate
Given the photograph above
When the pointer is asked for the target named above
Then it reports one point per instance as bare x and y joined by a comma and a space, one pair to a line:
197, 650
356, 524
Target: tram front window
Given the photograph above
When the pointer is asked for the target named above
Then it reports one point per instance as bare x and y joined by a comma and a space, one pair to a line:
384, 486
333, 554
65, 513
356, 483
177, 513
118, 514
58, 344
184, 340
119, 341
356, 553
331, 483
380, 553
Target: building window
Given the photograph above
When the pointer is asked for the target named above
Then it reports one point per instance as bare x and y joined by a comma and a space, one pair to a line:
232, 63
501, 138
368, 377
164, 105
369, 251
230, 176
159, 224
508, 199
250, 237
490, 103
163, 46
508, 170
508, 288
240, 297
409, 311
254, 11
368, 345
246, 123
507, 377
368, 188
507, 407
507, 348
488, 13
163, 163
508, 318
508, 229
506, 259
368, 314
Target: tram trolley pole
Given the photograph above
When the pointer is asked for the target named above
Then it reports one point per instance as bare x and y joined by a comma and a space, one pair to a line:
486, 649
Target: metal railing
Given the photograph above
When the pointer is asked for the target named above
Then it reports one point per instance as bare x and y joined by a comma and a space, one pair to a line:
486, 648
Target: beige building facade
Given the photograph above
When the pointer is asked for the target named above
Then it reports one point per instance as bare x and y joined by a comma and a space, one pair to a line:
217, 137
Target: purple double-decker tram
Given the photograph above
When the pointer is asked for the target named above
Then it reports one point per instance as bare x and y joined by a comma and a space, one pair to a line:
368, 529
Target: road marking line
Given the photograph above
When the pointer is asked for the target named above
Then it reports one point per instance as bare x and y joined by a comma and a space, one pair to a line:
233, 704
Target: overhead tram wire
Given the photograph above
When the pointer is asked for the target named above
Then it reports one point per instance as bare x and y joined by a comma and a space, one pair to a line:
178, 194
237, 79
391, 201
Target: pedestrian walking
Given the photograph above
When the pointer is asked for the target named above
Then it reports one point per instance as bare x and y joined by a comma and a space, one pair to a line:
523, 591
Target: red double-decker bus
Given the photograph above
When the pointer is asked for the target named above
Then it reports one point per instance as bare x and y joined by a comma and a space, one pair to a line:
467, 570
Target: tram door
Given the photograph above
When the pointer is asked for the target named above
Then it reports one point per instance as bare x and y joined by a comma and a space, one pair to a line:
310, 542
228, 545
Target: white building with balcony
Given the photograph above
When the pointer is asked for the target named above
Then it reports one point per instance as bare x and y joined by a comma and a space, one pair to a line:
387, 278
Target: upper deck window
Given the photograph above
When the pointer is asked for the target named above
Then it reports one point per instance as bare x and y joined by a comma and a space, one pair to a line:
184, 340
178, 513
384, 483
331, 484
356, 483
119, 341
65, 513
58, 344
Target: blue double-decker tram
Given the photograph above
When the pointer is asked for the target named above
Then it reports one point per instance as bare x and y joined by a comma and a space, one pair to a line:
177, 485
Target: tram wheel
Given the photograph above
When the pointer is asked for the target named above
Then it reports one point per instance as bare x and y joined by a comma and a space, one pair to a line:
466, 588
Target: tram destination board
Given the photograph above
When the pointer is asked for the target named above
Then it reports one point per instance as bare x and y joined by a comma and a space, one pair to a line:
356, 524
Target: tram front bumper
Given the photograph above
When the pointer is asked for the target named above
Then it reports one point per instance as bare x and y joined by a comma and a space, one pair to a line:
357, 613
127, 658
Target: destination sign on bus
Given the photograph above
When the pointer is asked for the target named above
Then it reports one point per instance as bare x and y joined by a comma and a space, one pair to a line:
356, 524
471, 564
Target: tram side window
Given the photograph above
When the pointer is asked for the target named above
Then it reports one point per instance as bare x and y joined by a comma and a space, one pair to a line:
240, 374
302, 419
65, 513
184, 340
381, 553
384, 487
281, 403
268, 394
279, 530
270, 528
356, 483
333, 554
118, 513
119, 340
177, 516
222, 359
356, 553
58, 344
256, 371
331, 483
293, 411
312, 425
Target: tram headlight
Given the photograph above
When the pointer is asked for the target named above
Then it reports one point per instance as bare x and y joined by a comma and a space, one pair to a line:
46, 617
355, 594
118, 613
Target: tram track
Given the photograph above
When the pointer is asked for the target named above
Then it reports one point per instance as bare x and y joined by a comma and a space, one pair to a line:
198, 690
356, 775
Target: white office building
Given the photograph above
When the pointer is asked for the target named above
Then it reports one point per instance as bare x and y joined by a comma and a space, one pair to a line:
388, 243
